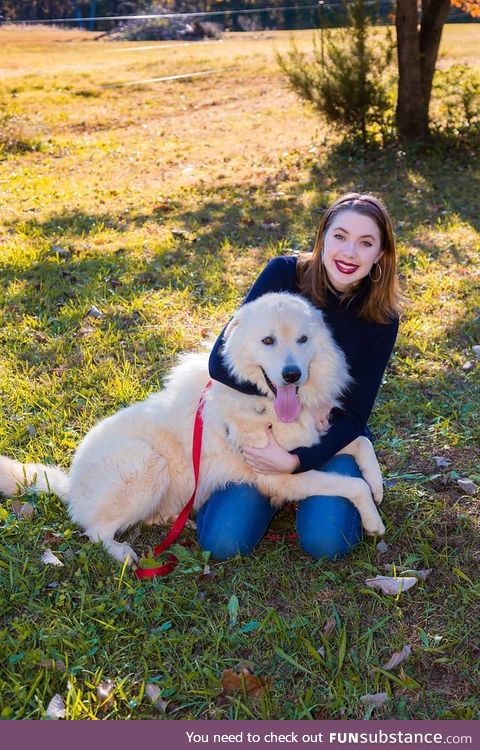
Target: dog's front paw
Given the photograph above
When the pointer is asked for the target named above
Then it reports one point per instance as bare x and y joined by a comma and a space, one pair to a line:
374, 526
373, 477
122, 552
377, 490
371, 520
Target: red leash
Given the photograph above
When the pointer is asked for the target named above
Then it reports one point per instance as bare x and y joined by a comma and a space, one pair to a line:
176, 530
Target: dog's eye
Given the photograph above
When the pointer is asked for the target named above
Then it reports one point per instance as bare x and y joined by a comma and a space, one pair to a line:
268, 341
302, 339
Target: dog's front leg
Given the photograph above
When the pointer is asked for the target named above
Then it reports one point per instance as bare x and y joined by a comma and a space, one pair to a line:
294, 487
364, 454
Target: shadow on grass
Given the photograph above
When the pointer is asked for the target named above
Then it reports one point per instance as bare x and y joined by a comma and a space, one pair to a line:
421, 187
431, 188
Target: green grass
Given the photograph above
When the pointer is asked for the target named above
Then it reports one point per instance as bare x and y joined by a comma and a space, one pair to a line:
112, 174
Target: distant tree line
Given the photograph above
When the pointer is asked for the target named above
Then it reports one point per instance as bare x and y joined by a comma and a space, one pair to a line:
38, 10
330, 14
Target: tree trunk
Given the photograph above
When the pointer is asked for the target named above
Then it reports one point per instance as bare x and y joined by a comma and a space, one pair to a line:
417, 56
412, 109
433, 20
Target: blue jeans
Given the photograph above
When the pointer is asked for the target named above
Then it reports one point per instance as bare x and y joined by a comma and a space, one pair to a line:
234, 519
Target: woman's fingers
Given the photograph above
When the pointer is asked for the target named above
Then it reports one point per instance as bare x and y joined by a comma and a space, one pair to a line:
271, 459
255, 460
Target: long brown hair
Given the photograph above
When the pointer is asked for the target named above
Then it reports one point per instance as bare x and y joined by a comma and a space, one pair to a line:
383, 299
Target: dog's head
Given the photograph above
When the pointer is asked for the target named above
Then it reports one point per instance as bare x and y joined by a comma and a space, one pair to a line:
281, 343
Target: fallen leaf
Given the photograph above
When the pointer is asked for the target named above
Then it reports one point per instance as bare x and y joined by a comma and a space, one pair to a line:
397, 658
23, 511
105, 694
467, 486
391, 482
57, 665
374, 699
329, 627
93, 312
56, 707
468, 365
392, 586
163, 206
51, 538
441, 461
230, 681
153, 692
233, 682
48, 558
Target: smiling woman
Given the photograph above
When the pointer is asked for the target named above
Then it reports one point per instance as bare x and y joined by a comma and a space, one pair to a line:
351, 276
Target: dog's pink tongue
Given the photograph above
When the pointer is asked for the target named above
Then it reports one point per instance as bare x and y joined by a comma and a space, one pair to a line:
286, 404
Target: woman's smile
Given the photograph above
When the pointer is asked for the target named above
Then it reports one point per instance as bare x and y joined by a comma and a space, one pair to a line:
344, 267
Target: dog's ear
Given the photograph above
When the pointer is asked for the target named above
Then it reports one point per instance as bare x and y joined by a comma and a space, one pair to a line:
233, 323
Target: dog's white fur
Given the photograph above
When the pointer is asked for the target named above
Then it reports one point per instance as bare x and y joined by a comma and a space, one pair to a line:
136, 465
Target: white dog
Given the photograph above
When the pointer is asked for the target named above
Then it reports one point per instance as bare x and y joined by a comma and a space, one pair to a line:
136, 465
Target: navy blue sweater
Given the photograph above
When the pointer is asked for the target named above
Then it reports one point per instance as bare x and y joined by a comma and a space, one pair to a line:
367, 348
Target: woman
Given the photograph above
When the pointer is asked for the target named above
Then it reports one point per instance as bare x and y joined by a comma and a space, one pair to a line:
351, 276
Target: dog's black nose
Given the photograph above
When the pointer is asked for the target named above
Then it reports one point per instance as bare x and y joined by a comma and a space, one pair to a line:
291, 374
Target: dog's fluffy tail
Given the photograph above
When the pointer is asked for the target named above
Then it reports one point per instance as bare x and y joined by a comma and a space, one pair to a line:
15, 475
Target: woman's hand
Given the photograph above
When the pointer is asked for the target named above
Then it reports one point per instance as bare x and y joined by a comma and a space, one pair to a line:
321, 413
272, 459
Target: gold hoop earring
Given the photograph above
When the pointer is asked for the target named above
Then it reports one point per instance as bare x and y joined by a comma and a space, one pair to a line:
375, 281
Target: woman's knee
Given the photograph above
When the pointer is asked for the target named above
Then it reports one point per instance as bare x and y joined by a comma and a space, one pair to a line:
233, 520
330, 526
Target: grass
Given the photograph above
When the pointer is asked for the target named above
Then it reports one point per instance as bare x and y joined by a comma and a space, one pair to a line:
152, 203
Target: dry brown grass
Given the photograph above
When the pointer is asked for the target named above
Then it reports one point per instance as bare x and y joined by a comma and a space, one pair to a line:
40, 49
